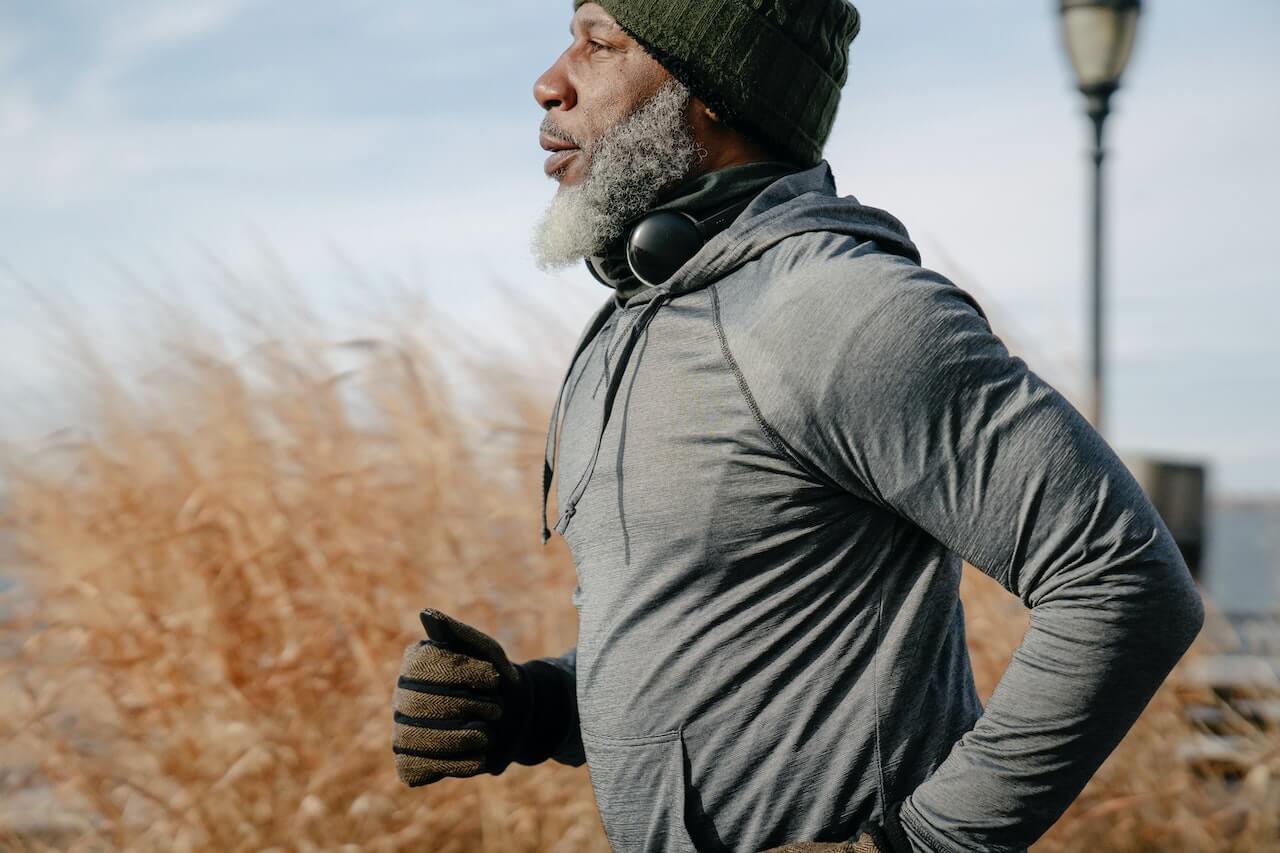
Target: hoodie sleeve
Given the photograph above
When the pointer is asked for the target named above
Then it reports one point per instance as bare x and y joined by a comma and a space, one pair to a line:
554, 732
927, 411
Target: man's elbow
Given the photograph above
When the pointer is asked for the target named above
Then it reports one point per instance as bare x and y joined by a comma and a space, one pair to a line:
1174, 607
1150, 598
1192, 611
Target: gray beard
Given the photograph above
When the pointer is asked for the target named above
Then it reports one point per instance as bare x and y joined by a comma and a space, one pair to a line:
628, 166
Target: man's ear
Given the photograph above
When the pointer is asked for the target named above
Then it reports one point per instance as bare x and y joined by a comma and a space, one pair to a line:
704, 111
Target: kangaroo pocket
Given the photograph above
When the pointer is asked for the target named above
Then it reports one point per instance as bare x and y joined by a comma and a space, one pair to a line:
639, 784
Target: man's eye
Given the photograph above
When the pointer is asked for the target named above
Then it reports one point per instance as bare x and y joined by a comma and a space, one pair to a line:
593, 46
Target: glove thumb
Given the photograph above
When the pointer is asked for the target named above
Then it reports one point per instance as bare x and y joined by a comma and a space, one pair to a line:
445, 631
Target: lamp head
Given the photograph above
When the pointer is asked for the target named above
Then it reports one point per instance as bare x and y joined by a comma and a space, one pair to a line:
1099, 36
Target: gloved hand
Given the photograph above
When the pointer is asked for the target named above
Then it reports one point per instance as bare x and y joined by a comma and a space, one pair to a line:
864, 844
878, 835
885, 833
461, 708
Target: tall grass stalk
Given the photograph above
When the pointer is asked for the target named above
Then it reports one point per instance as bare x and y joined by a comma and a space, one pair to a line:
223, 568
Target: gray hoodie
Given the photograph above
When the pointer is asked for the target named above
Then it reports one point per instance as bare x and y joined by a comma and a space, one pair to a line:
770, 469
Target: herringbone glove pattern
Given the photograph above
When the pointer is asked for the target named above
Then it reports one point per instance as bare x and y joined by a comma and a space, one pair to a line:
456, 702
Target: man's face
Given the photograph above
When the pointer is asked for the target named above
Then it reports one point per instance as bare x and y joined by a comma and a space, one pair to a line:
601, 78
619, 130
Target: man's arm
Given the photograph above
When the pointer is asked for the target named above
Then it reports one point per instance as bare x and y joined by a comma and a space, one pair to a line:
923, 408
556, 733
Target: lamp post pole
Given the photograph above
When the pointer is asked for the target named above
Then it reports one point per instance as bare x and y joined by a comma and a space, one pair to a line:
1099, 107
1099, 38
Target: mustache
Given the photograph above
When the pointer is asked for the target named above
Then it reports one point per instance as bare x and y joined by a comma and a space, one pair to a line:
550, 129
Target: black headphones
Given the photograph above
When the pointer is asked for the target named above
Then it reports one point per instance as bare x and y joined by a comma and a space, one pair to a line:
661, 242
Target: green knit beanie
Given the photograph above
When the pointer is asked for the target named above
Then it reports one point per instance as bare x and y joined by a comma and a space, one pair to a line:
771, 68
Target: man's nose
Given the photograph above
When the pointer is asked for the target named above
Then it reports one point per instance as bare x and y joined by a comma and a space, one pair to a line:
553, 88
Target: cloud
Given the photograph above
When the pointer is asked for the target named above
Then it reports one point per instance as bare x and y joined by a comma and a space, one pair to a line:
130, 32
74, 160
139, 27
406, 137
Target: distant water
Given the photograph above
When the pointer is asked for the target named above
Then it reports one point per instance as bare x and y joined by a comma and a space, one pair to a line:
6, 584
1242, 559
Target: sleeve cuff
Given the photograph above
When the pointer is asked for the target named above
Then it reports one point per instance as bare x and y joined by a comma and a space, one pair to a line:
552, 730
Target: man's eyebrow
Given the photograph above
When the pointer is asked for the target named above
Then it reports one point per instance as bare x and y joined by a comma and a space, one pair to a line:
594, 23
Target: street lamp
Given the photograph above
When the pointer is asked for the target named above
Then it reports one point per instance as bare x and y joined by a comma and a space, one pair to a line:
1099, 36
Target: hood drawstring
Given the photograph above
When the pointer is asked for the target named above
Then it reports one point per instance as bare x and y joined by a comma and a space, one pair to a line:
615, 382
553, 429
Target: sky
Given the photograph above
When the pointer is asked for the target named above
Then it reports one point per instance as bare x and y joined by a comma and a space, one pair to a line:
164, 140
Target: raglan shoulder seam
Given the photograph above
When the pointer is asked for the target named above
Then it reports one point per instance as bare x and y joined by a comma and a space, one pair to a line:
774, 438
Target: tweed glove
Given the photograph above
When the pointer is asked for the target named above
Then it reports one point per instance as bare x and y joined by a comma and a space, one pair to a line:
886, 834
461, 708
864, 844
883, 835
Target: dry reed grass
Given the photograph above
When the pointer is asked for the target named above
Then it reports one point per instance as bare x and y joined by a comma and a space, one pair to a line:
225, 569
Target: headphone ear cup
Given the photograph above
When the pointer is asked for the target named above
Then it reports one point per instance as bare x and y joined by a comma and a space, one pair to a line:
661, 243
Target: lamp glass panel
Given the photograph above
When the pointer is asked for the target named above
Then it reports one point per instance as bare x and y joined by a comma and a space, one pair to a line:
1128, 27
1099, 39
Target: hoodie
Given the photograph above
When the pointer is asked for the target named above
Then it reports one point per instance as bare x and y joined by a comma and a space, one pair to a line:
770, 469
700, 197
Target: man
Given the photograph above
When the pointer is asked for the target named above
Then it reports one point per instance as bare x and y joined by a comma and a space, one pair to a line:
775, 452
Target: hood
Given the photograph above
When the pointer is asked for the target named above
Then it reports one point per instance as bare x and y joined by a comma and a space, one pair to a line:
795, 204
